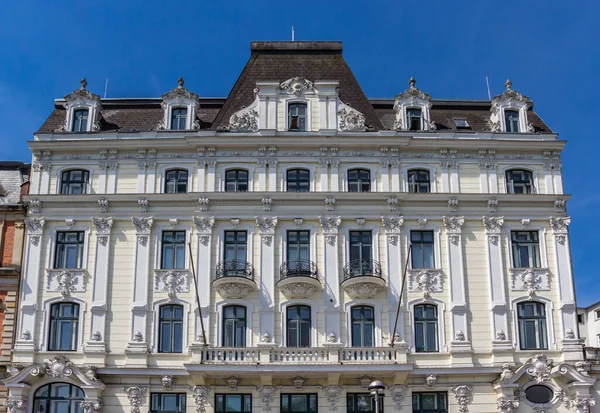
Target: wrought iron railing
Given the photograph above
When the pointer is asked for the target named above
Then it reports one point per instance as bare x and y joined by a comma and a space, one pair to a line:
235, 268
302, 268
359, 268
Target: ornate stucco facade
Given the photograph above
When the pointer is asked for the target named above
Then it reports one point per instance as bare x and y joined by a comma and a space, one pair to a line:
299, 199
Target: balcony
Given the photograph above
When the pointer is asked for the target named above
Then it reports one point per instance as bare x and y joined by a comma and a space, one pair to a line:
298, 279
362, 279
234, 279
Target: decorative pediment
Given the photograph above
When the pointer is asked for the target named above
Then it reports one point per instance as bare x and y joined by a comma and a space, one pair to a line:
81, 95
179, 97
82, 99
413, 98
245, 119
297, 86
179, 93
509, 95
509, 100
350, 119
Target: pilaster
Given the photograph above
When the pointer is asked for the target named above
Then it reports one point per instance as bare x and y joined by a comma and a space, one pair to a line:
201, 184
141, 180
262, 175
111, 179
266, 227
204, 227
331, 294
272, 164
385, 177
395, 267
325, 175
483, 178
210, 184
151, 177
335, 180
395, 181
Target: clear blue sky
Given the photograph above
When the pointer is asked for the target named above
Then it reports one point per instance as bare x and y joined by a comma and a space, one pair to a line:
549, 49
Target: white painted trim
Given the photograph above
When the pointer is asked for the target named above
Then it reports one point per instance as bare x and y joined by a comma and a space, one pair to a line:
432, 175
371, 168
249, 315
285, 167
249, 243
156, 314
159, 228
314, 310
86, 243
437, 242
441, 323
541, 229
534, 176
549, 321
170, 104
311, 228
521, 107
46, 321
163, 170
224, 167
65, 168
287, 100
372, 226
93, 108
377, 309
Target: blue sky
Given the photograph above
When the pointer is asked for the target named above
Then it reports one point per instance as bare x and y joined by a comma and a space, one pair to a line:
547, 48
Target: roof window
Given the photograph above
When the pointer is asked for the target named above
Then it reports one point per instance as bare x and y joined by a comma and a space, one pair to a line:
461, 123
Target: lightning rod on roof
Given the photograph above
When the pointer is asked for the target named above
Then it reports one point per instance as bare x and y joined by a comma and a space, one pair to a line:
105, 88
487, 82
292, 33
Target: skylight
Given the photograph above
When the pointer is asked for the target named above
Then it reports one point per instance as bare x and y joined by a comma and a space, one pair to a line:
461, 123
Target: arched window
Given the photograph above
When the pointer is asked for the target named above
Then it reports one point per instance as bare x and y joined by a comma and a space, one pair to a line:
74, 182
413, 119
426, 328
178, 118
519, 181
170, 329
234, 326
511, 120
532, 325
298, 180
64, 327
419, 181
299, 324
359, 180
58, 398
80, 120
236, 180
297, 117
176, 181
363, 326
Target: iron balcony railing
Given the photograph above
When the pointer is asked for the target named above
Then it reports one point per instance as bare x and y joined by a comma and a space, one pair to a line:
235, 268
359, 268
302, 268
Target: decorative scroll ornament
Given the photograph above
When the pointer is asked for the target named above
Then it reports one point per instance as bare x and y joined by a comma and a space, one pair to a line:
35, 227
143, 226
464, 397
267, 394
453, 227
393, 226
172, 282
245, 119
427, 281
560, 227
364, 381
89, 406
332, 394
267, 226
539, 368
530, 280
330, 227
350, 119
493, 227
232, 382
580, 404
398, 392
66, 283
103, 227
200, 394
16, 405
58, 367
179, 92
103, 204
135, 394
330, 203
204, 225
298, 382
297, 85
507, 405
14, 369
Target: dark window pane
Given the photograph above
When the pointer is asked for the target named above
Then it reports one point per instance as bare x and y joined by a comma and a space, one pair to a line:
173, 250
297, 116
422, 249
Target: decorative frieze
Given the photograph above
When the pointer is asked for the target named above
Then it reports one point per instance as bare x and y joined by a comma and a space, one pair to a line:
426, 281
530, 280
66, 281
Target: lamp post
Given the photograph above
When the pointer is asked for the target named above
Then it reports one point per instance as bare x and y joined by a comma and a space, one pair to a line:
376, 387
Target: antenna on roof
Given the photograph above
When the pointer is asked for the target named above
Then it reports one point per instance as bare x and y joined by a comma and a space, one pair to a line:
292, 33
487, 82
105, 88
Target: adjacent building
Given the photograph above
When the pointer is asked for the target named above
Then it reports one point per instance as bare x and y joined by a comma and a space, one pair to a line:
297, 202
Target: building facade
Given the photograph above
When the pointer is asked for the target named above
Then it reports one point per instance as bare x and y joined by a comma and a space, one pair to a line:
297, 202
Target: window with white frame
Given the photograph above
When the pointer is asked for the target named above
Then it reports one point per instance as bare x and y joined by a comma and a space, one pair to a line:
236, 180
525, 249
511, 121
74, 182
519, 181
234, 326
69, 249
359, 180
173, 250
419, 181
80, 120
297, 117
233, 403
179, 119
170, 328
533, 334
362, 403
167, 402
298, 326
362, 318
414, 119
176, 181
430, 402
422, 250
298, 180
426, 328
63, 327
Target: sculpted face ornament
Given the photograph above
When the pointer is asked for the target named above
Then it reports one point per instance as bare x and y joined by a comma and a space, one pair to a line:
431, 380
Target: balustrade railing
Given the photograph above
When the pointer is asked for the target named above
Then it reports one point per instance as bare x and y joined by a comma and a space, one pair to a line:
359, 268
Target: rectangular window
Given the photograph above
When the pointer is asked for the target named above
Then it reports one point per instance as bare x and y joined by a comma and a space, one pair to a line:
511, 119
297, 117
426, 328
298, 403
597, 314
178, 118
580, 318
430, 402
235, 246
361, 246
298, 246
519, 181
69, 249
532, 326
413, 118
422, 249
167, 402
80, 120
64, 324
236, 403
362, 402
173, 250
525, 249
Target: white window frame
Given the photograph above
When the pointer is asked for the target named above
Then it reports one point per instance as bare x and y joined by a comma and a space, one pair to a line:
437, 243
549, 321
418, 107
163, 171
46, 322
66, 168
86, 243
187, 116
534, 177
432, 176
596, 318
371, 168
156, 315
520, 107
223, 168
441, 310
311, 170
368, 226
377, 308
91, 106
249, 242
160, 228
179, 103
314, 310
311, 228
287, 100
541, 236
249, 314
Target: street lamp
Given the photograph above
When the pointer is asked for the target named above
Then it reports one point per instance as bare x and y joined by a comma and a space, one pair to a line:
376, 387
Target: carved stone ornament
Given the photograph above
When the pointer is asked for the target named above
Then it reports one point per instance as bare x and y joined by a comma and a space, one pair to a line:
103, 227
14, 368
179, 93
453, 204
245, 119
138, 337
203, 202
412, 97
332, 394
34, 206
103, 204
560, 227
35, 227
97, 336
82, 98
266, 202
392, 203
507, 372
26, 335
90, 406
143, 204
204, 225
426, 281
398, 392
363, 287
507, 405
570, 334
16, 405
200, 394
232, 382
330, 203
350, 119
422, 222
136, 395
580, 404
267, 225
297, 85
332, 338
65, 281
330, 227
267, 395
464, 397
431, 381
530, 280
298, 288
459, 336
143, 227
508, 99
90, 372
298, 382
539, 367
492, 205
58, 367
500, 335
364, 381
172, 282
266, 338
453, 224
493, 224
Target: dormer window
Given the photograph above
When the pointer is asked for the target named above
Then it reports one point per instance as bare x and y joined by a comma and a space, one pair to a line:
297, 117
511, 120
82, 111
180, 107
80, 120
413, 117
412, 110
509, 112
178, 118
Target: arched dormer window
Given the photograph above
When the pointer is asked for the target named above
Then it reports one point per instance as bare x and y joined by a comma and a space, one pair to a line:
509, 112
412, 110
58, 398
176, 181
74, 182
82, 111
179, 118
179, 109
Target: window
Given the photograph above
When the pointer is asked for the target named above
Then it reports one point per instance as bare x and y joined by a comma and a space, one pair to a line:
461, 123
234, 326
236, 180
580, 319
418, 181
298, 180
173, 250
359, 180
362, 402
363, 326
80, 120
511, 119
74, 182
532, 326
178, 118
170, 328
298, 246
297, 117
69, 249
426, 328
64, 325
361, 246
298, 403
413, 119
525, 249
235, 403
597, 314
58, 398
422, 249
519, 181
167, 402
176, 181
538, 394
235, 246
299, 325
430, 402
